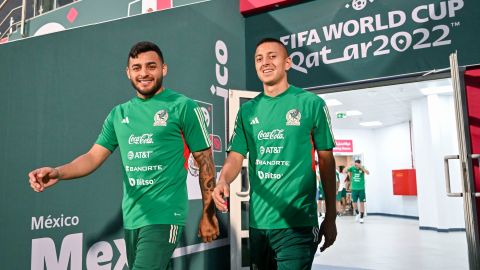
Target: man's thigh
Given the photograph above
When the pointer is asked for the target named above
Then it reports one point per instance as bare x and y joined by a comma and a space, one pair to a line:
355, 196
295, 248
261, 254
151, 247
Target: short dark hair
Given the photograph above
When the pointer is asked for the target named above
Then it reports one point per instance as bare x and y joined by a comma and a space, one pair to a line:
274, 40
358, 161
144, 46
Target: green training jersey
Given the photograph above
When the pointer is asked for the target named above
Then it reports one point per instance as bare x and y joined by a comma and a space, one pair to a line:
280, 134
155, 137
358, 178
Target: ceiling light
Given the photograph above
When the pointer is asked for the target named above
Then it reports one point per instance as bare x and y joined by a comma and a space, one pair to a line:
436, 90
371, 124
333, 102
353, 113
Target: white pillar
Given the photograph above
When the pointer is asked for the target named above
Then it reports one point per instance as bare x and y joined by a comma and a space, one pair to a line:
434, 136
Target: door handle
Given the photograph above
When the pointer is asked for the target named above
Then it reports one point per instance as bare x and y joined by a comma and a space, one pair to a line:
243, 194
447, 176
477, 157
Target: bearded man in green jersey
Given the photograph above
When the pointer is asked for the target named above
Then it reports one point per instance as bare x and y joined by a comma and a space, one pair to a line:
357, 175
284, 232
155, 131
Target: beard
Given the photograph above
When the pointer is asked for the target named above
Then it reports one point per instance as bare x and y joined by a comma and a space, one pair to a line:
150, 92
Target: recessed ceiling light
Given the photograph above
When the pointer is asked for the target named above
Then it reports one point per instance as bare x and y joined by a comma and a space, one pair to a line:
333, 102
371, 124
436, 90
353, 113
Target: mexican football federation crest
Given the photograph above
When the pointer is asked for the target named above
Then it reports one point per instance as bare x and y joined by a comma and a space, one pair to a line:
293, 117
160, 118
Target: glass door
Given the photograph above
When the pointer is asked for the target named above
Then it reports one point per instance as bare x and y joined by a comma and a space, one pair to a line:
467, 122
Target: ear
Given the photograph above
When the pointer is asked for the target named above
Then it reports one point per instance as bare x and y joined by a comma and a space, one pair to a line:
288, 63
128, 73
164, 70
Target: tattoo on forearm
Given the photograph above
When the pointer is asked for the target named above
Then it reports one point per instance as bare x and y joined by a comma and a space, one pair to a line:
206, 178
207, 171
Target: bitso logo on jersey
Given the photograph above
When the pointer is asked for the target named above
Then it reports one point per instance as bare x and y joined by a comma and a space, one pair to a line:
160, 118
139, 182
293, 117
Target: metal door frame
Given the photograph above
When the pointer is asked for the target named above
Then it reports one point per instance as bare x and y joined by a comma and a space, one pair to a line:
236, 233
466, 164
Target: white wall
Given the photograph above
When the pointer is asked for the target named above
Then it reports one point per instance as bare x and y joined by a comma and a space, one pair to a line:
394, 145
383, 150
434, 136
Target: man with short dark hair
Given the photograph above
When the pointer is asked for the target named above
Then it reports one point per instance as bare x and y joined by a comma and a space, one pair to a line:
357, 175
155, 132
284, 232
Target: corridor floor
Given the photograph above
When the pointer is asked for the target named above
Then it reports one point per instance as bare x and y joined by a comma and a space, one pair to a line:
392, 243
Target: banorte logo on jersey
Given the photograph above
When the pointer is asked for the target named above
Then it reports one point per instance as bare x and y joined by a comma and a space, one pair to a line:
276, 134
160, 118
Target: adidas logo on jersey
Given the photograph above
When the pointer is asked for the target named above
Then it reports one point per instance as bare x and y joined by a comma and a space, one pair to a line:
125, 120
254, 121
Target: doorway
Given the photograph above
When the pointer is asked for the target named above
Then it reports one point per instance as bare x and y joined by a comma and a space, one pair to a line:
402, 127
395, 127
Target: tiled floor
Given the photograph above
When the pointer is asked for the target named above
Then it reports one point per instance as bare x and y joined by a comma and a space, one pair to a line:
392, 243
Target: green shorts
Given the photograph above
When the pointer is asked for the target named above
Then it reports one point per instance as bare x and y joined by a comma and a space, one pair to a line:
359, 195
344, 193
152, 246
283, 249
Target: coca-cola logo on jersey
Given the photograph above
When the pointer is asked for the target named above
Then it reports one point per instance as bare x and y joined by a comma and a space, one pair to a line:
276, 134
146, 138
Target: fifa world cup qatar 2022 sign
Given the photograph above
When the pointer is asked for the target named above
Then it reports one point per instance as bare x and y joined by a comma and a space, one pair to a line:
333, 42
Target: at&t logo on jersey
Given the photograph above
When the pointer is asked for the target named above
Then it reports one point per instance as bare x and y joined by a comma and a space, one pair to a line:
138, 155
271, 150
293, 117
160, 118
146, 138
139, 182
276, 134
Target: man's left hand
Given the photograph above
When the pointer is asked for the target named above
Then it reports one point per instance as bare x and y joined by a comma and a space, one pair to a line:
328, 230
208, 228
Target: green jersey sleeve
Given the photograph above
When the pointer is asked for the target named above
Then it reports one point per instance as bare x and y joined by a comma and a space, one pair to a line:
194, 127
108, 137
322, 130
238, 141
